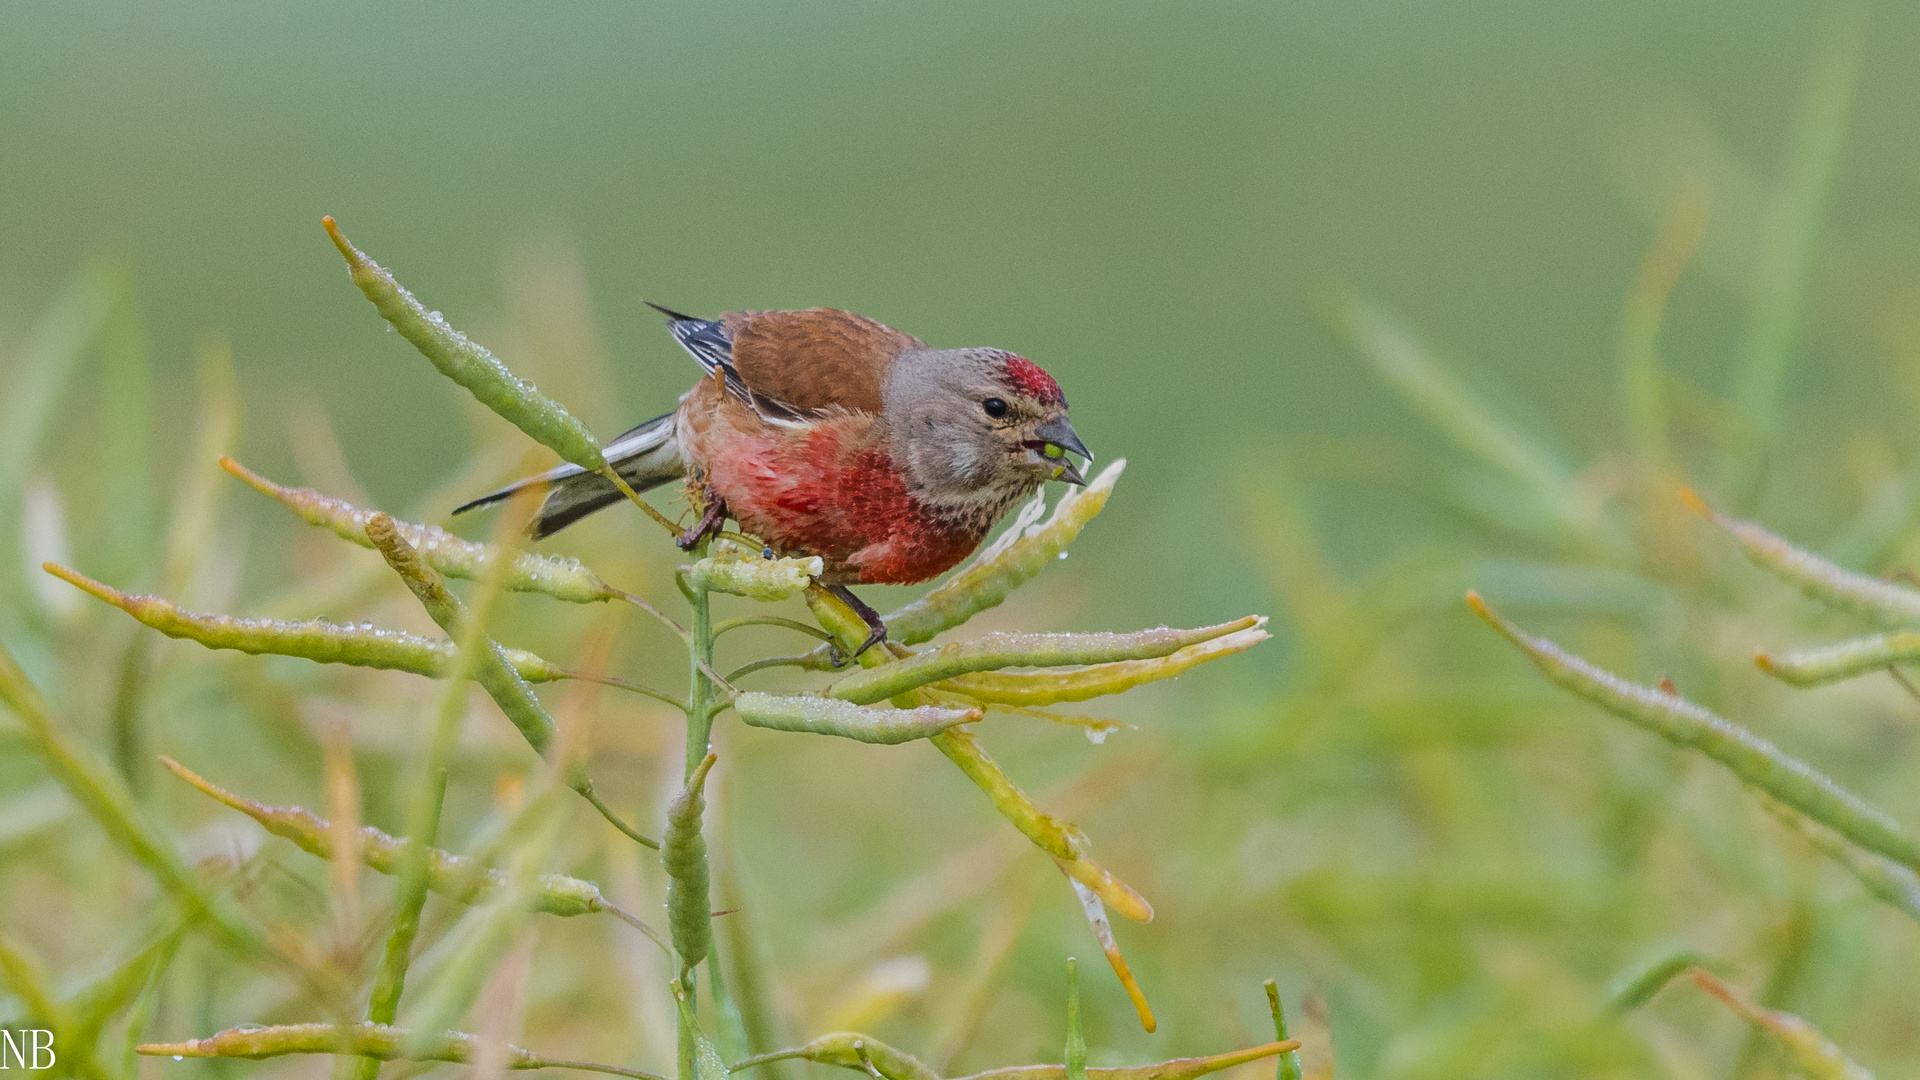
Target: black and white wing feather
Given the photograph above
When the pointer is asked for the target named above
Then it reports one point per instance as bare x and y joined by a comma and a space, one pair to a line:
707, 341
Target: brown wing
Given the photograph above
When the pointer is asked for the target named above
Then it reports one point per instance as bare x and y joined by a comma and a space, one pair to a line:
817, 358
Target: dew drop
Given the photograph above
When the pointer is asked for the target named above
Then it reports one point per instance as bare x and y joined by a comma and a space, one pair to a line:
1063, 556
178, 1057
1097, 735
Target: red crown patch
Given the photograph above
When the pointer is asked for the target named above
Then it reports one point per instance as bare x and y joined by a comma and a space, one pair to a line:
1026, 376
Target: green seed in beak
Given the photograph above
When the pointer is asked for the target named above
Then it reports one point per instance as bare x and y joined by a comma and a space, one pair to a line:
1054, 451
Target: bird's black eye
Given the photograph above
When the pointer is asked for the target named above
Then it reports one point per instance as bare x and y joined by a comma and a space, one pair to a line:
994, 407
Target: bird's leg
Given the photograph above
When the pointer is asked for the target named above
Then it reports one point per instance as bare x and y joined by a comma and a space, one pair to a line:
712, 520
876, 630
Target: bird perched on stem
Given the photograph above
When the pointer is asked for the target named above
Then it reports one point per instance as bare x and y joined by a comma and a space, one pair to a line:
826, 433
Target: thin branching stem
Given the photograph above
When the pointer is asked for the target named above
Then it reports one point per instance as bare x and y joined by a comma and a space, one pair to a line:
769, 620
630, 686
663, 617
635, 922
613, 476
613, 819
770, 662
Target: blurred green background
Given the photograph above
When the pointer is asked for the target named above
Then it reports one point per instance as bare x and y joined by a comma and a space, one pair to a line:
1385, 809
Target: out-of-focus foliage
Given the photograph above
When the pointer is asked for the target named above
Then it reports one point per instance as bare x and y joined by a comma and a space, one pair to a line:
1449, 865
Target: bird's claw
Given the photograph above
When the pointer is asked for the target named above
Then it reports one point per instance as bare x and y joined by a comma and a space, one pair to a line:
874, 637
712, 520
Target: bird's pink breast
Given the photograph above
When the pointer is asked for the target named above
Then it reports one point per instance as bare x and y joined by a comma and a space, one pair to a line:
828, 491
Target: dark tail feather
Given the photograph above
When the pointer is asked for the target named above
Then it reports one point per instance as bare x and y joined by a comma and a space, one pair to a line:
645, 457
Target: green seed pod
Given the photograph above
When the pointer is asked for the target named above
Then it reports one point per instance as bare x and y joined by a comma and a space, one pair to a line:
1753, 759
999, 650
492, 670
866, 723
1870, 598
466, 362
1895, 885
1832, 663
958, 743
381, 1042
844, 1048
1016, 559
733, 569
1050, 687
1177, 1069
964, 750
683, 851
451, 875
323, 642
562, 579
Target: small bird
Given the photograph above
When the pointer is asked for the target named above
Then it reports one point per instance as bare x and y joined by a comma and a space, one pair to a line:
826, 433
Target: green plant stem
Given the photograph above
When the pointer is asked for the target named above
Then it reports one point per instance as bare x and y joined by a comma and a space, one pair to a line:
1753, 759
1784, 252
1289, 1066
701, 705
24, 978
391, 980
94, 786
687, 860
746, 952
1076, 1039
732, 1027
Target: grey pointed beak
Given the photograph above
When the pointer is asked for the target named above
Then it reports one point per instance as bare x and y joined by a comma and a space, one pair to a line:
1057, 439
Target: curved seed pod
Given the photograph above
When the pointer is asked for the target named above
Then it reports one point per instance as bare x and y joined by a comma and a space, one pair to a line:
317, 640
1832, 663
1895, 885
999, 650
456, 876
1753, 759
491, 669
1870, 598
468, 363
1004, 567
1096, 913
1050, 687
380, 1041
844, 1048
866, 723
839, 1049
1811, 1052
1177, 1069
550, 575
683, 851
1063, 842
732, 569
1637, 985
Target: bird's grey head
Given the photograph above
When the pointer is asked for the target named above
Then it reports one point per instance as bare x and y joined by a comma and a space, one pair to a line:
978, 426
